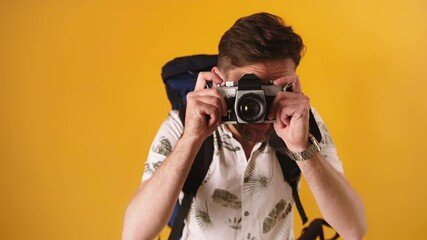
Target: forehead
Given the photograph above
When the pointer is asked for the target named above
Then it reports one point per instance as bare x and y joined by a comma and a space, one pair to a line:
268, 70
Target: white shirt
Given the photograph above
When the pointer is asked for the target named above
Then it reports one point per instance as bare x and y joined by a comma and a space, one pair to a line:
239, 198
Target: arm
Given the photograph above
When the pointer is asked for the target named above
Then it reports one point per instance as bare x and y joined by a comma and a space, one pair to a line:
339, 204
151, 207
337, 201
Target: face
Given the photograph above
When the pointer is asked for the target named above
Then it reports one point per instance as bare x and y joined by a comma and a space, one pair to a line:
270, 70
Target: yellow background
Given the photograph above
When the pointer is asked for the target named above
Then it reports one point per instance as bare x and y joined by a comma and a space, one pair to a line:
81, 98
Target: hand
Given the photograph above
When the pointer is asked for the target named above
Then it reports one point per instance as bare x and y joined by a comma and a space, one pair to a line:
205, 107
291, 110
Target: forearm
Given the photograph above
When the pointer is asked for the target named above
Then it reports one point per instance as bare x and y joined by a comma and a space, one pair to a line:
151, 207
338, 202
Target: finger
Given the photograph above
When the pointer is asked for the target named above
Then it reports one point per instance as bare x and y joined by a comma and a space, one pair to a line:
208, 96
285, 116
285, 80
216, 79
214, 101
275, 104
213, 115
288, 100
293, 80
206, 76
296, 86
201, 81
224, 106
213, 93
282, 119
291, 98
294, 111
208, 111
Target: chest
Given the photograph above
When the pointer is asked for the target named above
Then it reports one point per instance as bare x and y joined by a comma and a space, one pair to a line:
242, 196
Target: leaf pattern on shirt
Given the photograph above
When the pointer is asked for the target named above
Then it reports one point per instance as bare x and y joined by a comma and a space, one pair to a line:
326, 136
152, 167
279, 212
236, 224
226, 199
285, 213
202, 215
226, 143
249, 237
163, 147
256, 178
284, 232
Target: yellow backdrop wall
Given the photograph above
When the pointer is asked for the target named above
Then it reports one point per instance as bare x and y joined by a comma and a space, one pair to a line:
81, 98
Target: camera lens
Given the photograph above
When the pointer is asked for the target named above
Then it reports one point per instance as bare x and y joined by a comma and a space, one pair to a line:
250, 108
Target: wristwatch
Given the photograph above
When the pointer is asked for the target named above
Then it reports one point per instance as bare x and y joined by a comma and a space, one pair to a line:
307, 153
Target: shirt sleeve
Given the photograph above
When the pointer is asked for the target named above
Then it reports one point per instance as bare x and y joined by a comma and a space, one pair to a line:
164, 141
328, 149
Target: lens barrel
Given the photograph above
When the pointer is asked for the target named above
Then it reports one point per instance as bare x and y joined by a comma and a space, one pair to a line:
251, 108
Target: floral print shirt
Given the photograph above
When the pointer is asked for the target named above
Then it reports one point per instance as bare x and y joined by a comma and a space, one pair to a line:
239, 198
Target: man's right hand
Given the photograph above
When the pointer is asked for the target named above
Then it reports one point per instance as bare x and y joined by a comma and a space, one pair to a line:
205, 107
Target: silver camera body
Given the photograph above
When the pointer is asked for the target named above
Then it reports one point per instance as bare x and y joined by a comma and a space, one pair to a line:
249, 101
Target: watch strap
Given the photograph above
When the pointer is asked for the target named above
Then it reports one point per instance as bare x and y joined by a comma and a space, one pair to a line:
307, 153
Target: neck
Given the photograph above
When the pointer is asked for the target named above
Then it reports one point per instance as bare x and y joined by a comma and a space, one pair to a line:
246, 145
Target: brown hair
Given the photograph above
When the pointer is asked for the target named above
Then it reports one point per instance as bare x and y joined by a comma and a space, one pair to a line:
257, 38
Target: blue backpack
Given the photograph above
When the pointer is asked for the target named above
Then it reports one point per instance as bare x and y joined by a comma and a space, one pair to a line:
179, 76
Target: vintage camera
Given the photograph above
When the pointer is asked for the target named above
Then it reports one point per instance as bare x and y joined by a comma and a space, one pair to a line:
249, 101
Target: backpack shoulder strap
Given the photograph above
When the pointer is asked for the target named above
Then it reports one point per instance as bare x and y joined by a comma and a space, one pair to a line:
201, 163
200, 167
315, 230
197, 173
292, 175
290, 169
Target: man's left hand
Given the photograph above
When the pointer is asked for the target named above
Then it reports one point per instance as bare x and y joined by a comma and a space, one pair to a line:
291, 110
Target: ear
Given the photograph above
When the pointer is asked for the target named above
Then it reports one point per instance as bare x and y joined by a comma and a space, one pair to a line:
217, 72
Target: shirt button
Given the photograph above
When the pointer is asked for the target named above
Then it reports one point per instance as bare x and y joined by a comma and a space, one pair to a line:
246, 180
246, 213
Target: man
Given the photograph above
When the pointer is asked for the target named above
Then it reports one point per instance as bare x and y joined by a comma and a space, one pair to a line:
244, 195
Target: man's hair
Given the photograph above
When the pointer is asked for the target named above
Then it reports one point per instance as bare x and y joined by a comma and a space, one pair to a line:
258, 38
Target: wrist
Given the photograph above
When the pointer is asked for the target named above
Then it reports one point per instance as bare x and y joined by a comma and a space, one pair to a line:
312, 147
187, 149
190, 137
299, 147
191, 141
